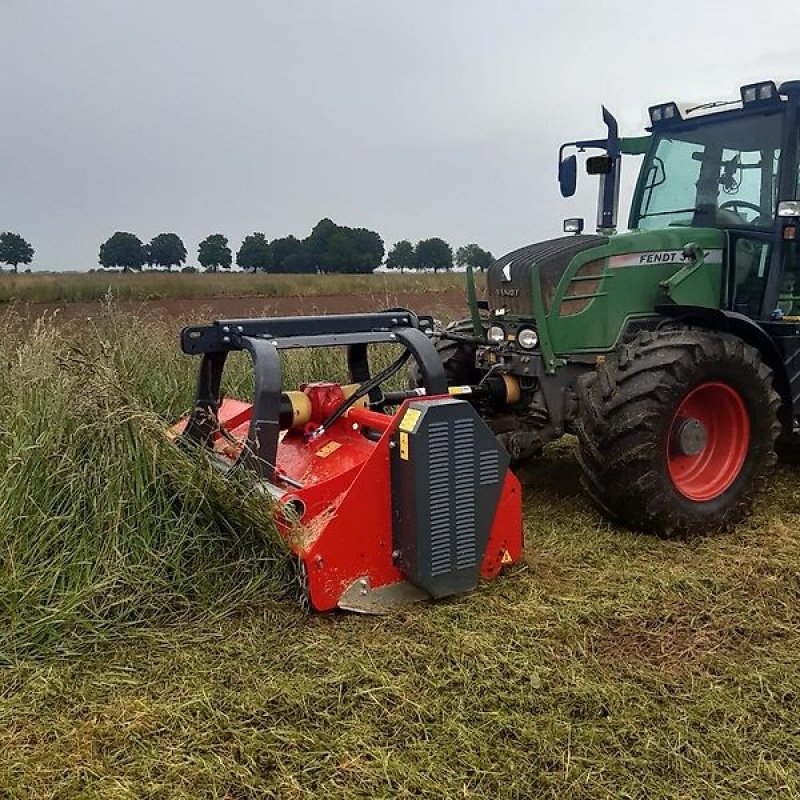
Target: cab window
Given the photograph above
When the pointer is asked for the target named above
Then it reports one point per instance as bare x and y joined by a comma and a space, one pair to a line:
720, 172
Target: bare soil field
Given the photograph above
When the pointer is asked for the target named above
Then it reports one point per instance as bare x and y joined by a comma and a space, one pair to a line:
449, 303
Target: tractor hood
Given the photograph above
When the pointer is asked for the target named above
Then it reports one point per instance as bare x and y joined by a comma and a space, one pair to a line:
508, 281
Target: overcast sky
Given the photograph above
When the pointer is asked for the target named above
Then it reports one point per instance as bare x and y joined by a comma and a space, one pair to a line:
415, 118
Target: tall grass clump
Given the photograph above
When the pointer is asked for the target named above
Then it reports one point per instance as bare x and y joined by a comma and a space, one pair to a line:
104, 525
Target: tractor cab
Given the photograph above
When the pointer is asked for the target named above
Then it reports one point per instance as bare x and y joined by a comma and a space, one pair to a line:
726, 165
731, 166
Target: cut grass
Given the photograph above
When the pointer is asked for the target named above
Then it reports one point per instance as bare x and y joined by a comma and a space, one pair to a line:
608, 665
77, 287
611, 665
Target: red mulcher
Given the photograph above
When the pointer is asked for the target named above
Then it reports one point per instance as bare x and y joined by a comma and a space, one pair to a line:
383, 497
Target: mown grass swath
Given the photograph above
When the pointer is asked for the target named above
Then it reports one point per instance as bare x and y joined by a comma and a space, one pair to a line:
611, 665
105, 525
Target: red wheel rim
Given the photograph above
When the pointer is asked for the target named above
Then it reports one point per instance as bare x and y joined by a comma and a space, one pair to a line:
720, 410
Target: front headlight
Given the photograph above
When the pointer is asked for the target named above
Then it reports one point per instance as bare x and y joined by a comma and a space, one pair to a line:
496, 334
528, 338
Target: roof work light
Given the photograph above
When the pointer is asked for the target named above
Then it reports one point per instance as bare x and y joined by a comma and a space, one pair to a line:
764, 92
666, 112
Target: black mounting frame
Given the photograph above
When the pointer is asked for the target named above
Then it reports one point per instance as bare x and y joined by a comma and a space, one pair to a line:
263, 338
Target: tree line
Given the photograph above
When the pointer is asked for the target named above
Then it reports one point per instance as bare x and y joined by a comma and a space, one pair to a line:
328, 248
436, 254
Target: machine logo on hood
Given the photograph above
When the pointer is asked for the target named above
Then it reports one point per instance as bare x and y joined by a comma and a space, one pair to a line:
507, 272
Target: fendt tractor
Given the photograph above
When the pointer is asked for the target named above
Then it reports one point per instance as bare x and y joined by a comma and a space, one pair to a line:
669, 351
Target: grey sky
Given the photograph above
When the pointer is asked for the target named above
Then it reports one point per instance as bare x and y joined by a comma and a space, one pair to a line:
415, 118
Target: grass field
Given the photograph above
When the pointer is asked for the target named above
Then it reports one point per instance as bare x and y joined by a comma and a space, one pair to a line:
82, 287
149, 649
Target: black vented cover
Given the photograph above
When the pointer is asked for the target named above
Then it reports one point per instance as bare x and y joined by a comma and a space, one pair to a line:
447, 473
552, 257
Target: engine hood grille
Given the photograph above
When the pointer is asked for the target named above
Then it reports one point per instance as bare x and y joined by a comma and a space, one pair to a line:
508, 281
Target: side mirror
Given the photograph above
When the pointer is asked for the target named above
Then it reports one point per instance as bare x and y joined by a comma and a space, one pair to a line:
573, 225
568, 175
599, 165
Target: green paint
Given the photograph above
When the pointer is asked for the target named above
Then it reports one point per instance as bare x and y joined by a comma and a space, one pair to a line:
542, 325
634, 145
690, 281
624, 291
632, 291
474, 313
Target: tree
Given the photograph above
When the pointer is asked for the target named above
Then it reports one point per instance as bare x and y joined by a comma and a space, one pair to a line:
369, 247
317, 241
434, 254
255, 253
401, 256
337, 248
341, 253
299, 261
281, 250
123, 250
14, 250
166, 250
470, 255
214, 252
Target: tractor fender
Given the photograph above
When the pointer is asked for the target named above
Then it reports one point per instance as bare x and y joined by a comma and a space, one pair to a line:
743, 327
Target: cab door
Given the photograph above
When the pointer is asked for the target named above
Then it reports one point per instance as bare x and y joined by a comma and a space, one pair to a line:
781, 304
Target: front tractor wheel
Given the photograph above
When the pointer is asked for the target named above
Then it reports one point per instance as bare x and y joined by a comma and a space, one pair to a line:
676, 434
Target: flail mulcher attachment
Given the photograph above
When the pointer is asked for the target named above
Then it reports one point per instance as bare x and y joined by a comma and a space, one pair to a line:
399, 496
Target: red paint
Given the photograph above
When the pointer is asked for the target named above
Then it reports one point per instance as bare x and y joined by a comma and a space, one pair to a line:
325, 399
709, 473
346, 526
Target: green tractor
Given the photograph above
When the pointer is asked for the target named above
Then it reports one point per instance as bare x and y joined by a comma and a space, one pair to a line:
672, 351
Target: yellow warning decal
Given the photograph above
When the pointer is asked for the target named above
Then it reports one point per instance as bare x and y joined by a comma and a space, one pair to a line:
506, 558
410, 419
404, 445
457, 390
327, 449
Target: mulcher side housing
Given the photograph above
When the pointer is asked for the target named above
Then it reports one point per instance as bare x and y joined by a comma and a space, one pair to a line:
382, 497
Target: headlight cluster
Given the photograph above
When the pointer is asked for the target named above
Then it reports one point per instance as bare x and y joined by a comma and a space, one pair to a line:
527, 338
496, 334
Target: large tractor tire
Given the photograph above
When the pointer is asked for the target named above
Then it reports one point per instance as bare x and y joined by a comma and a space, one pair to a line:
457, 356
676, 435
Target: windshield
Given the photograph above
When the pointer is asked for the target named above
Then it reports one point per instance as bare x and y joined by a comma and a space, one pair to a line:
720, 173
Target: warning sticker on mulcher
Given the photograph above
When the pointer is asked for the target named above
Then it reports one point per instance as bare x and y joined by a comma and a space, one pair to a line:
327, 449
410, 419
404, 445
656, 257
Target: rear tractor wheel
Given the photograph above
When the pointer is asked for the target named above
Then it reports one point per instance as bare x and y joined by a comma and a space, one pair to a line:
677, 433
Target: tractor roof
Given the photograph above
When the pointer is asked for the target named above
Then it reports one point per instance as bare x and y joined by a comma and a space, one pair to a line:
754, 97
